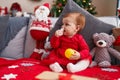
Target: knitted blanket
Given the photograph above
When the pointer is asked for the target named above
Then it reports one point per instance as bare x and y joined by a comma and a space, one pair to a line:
28, 69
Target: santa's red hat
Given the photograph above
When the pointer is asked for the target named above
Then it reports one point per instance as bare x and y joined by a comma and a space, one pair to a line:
47, 5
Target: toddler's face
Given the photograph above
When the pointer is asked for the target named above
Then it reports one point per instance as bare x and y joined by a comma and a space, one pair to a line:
69, 26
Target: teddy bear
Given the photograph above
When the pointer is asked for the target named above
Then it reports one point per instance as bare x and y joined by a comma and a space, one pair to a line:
39, 30
101, 52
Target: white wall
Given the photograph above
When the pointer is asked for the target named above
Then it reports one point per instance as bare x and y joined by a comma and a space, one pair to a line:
26, 5
103, 7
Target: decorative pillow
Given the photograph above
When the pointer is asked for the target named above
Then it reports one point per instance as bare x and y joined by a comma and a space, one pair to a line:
92, 26
14, 49
14, 37
3, 27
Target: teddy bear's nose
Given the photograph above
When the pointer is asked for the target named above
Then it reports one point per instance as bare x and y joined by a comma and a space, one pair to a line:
100, 43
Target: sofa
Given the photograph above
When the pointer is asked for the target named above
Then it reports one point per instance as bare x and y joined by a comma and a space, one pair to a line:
17, 51
16, 46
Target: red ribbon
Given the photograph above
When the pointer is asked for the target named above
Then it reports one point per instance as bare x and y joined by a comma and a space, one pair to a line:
65, 77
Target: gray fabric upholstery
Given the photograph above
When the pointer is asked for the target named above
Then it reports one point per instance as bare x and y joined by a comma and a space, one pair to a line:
14, 25
3, 27
15, 47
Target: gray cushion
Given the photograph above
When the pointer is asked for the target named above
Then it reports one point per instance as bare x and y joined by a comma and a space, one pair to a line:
15, 47
92, 26
3, 27
13, 26
13, 41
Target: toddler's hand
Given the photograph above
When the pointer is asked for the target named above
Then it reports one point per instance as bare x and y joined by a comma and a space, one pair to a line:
59, 32
75, 56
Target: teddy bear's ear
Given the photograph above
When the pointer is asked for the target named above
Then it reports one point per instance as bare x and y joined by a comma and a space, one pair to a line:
94, 35
112, 38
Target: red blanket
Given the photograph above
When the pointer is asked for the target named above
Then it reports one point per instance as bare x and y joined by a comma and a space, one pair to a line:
27, 69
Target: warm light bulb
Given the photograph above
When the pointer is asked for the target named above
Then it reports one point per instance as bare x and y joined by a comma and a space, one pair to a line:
89, 3
64, 0
91, 8
84, 1
59, 11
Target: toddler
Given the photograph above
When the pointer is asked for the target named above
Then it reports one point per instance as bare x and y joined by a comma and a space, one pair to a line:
68, 37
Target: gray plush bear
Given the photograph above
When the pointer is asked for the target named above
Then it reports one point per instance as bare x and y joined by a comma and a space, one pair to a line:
101, 53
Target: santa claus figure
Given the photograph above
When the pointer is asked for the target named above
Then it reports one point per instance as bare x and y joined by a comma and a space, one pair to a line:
40, 29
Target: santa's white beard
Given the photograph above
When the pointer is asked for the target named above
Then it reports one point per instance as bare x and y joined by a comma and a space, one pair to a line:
42, 16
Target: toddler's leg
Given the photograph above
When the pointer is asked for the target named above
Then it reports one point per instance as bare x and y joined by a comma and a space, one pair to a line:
81, 65
56, 67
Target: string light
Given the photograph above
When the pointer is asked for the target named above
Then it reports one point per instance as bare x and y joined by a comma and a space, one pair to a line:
84, 1
59, 10
89, 3
91, 8
63, 0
